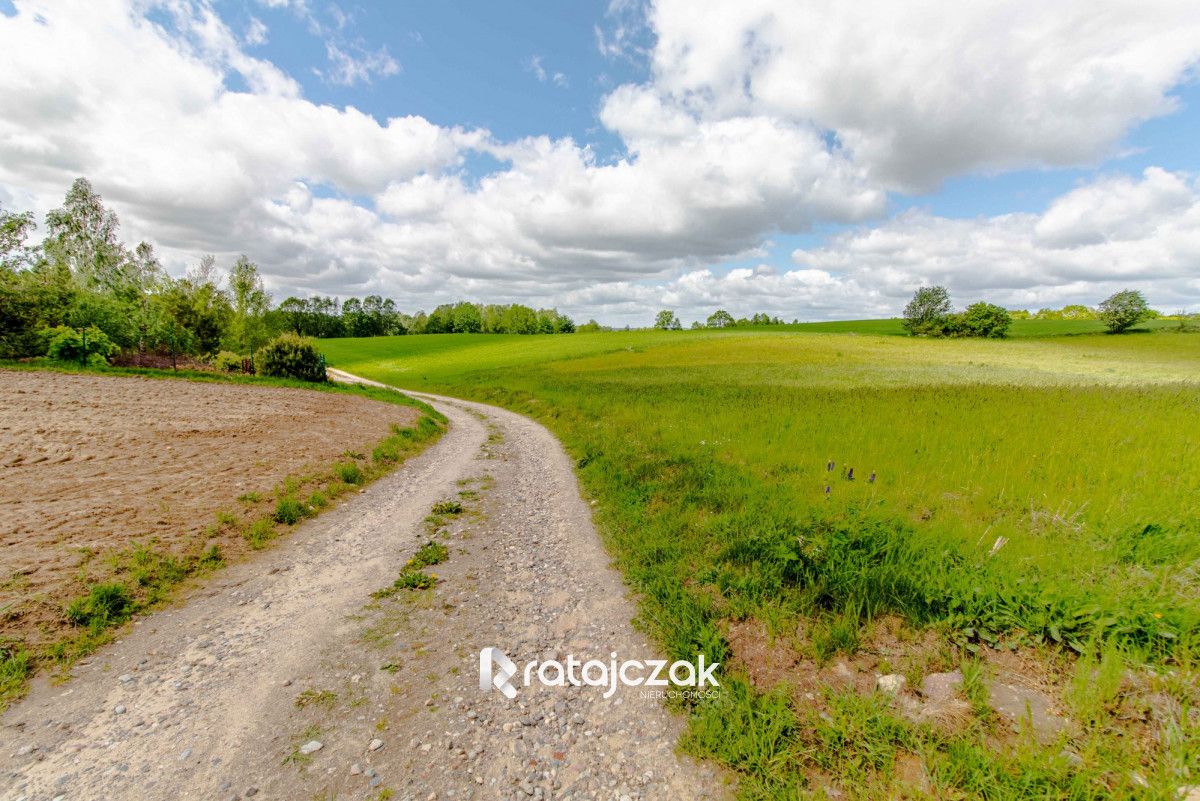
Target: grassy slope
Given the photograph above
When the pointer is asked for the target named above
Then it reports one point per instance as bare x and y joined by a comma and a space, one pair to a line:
707, 452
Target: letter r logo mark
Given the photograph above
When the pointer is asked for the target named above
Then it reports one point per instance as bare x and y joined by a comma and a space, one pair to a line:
505, 669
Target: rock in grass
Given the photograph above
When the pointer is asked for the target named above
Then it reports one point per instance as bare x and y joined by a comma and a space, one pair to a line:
892, 684
940, 686
311, 747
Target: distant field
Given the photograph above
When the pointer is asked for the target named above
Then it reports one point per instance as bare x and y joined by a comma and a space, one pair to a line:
1020, 328
1037, 493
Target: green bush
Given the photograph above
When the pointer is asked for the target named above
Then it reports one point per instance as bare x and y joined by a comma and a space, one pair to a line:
105, 605
91, 345
291, 356
227, 362
981, 320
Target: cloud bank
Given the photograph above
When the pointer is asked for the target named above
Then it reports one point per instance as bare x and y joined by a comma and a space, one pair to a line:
755, 120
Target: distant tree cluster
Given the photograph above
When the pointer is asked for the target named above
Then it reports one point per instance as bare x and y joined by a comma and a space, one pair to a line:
1077, 311
81, 294
318, 316
477, 318
375, 316
929, 314
667, 321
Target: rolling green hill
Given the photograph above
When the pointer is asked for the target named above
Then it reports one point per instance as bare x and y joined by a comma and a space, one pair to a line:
1036, 493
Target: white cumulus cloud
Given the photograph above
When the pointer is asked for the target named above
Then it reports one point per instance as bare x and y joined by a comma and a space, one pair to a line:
756, 119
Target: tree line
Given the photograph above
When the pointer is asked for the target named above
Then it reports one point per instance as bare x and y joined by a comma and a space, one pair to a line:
375, 316
666, 320
81, 287
930, 313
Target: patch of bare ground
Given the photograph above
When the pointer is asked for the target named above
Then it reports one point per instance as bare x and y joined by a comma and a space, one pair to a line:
91, 465
888, 646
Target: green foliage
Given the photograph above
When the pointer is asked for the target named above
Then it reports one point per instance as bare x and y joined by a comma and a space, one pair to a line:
982, 319
291, 356
198, 306
250, 305
105, 605
1123, 310
89, 346
16, 665
720, 319
474, 318
348, 472
82, 235
410, 579
928, 314
414, 580
744, 730
431, 553
32, 300
289, 511
450, 507
321, 698
1069, 312
928, 311
14, 229
227, 362
259, 533
667, 321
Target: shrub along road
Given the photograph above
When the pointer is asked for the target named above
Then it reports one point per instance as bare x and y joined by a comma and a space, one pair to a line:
307, 673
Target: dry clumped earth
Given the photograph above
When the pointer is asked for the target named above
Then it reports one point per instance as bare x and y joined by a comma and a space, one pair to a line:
291, 676
91, 464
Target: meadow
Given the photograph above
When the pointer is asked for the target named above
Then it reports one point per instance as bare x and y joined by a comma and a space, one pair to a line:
1033, 497
1020, 328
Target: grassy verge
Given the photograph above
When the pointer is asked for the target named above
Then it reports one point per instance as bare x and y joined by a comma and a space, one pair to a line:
140, 578
1032, 496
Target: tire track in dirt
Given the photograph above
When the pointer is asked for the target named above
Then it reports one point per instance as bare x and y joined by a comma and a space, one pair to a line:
201, 701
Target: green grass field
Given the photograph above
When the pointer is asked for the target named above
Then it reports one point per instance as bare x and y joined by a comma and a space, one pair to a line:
1020, 328
1037, 494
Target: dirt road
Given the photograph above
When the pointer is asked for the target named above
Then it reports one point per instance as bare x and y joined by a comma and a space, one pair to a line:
286, 679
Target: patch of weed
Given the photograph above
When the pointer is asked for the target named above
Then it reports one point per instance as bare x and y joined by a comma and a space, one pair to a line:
348, 472
321, 698
449, 507
260, 532
105, 605
431, 553
289, 511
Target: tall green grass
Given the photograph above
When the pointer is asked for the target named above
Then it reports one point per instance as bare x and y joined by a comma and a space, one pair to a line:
1038, 491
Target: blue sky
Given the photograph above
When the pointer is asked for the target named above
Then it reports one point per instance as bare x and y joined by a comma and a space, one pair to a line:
492, 65
812, 160
468, 64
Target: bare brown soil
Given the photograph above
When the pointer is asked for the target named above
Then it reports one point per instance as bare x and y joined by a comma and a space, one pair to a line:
91, 465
